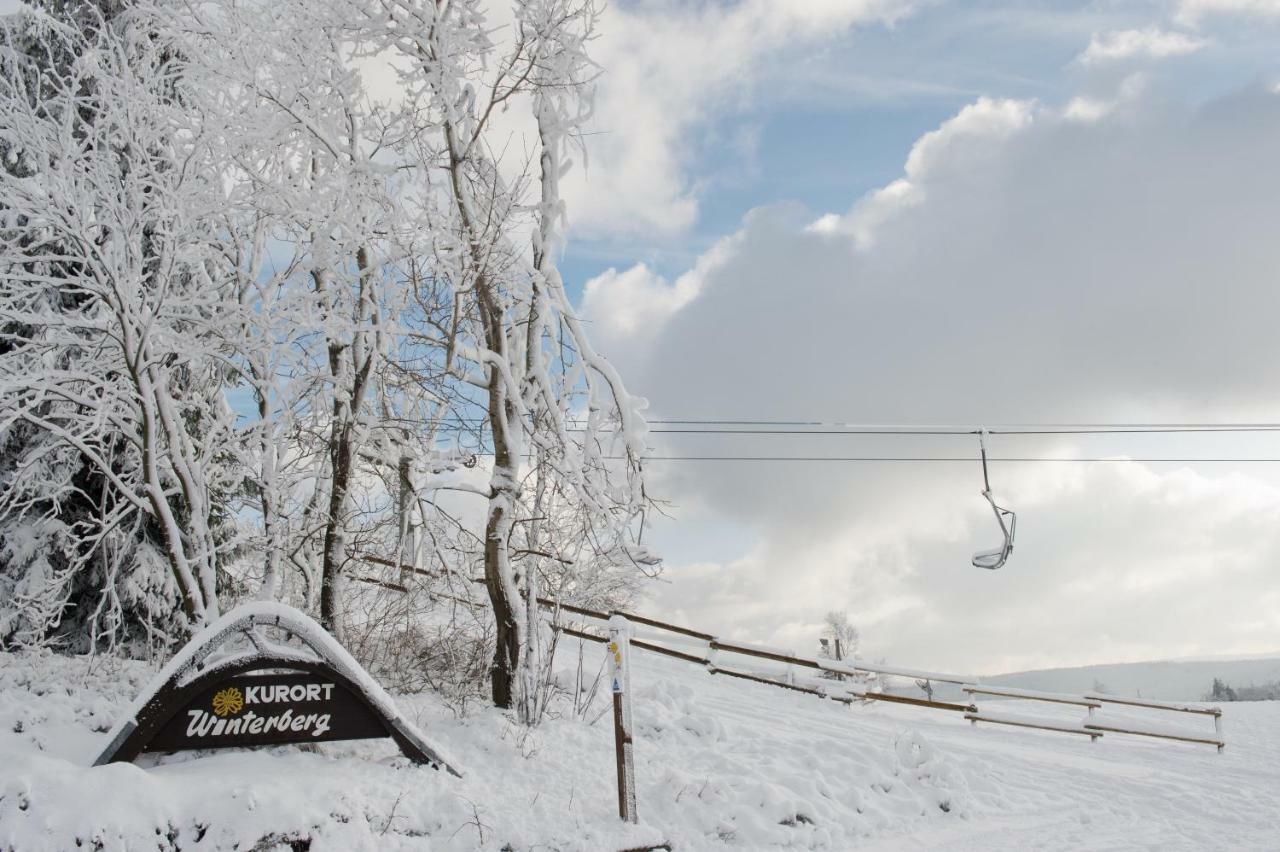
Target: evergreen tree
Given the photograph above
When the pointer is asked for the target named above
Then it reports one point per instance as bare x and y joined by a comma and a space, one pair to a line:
1221, 692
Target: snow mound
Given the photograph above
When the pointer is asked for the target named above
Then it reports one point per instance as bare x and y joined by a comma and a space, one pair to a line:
706, 778
720, 764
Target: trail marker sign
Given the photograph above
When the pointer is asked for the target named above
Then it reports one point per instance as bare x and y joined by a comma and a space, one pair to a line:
265, 692
619, 652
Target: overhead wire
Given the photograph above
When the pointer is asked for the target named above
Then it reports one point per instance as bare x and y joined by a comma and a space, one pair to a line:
765, 427
925, 433
816, 427
965, 459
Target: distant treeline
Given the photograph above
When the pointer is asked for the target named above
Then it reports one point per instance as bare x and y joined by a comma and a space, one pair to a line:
1221, 691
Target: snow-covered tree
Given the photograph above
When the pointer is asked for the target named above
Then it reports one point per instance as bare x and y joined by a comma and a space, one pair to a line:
839, 639
550, 405
257, 320
109, 386
317, 228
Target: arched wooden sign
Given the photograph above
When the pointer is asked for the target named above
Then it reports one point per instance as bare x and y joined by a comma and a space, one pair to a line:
235, 685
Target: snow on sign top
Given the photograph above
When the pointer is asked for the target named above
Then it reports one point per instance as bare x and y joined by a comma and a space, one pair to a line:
211, 697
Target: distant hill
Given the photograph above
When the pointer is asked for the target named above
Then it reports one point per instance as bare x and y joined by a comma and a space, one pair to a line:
1169, 680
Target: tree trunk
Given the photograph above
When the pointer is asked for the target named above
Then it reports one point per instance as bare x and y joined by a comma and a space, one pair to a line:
497, 574
350, 365
340, 452
404, 516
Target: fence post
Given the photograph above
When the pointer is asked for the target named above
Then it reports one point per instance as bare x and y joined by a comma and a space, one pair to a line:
620, 651
1217, 728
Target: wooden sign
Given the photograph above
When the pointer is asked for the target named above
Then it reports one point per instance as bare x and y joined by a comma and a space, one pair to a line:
255, 710
212, 695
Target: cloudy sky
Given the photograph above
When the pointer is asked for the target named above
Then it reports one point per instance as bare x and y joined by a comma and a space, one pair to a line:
950, 213
945, 212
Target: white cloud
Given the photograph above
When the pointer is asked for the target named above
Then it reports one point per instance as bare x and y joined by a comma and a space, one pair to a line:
669, 68
1086, 109
1114, 563
1194, 11
1090, 109
1149, 43
973, 132
1028, 266
628, 304
629, 308
974, 128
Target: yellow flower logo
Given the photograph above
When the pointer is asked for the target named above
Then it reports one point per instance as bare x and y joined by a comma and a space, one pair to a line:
228, 701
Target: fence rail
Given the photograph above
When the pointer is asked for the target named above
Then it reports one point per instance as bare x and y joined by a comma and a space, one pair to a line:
655, 636
1042, 725
1032, 695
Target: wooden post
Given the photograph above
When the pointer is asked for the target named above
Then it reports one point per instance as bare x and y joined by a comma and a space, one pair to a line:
1217, 727
620, 681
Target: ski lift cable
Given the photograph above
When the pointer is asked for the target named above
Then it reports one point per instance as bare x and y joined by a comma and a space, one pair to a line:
959, 459
943, 459
944, 432
837, 428
1003, 429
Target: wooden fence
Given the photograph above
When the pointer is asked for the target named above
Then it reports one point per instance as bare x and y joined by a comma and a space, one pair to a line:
847, 681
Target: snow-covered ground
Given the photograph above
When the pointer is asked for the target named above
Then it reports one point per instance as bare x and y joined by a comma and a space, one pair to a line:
722, 763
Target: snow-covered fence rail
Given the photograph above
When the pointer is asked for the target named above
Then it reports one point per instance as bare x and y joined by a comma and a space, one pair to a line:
705, 649
1032, 695
1146, 730
660, 635
1093, 725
